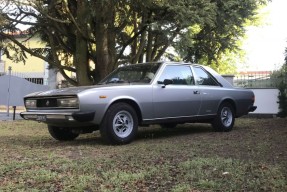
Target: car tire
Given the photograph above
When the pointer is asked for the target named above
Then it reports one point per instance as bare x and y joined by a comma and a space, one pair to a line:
224, 119
62, 134
120, 124
168, 125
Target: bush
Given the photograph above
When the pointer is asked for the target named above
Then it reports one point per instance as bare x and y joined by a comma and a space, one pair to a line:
282, 99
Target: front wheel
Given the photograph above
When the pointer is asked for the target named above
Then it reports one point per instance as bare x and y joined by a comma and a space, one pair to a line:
62, 134
224, 119
120, 124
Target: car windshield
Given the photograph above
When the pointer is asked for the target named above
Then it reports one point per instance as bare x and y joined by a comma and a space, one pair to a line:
140, 73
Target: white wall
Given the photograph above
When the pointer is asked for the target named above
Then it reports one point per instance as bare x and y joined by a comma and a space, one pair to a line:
266, 101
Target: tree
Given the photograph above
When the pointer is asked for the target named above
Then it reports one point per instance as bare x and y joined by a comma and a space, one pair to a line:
282, 87
91, 38
217, 43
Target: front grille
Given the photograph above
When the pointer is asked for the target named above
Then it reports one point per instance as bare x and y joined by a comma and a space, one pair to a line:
48, 102
53, 102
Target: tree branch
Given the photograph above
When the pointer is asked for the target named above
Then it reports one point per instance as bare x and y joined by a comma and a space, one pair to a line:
37, 55
162, 51
129, 42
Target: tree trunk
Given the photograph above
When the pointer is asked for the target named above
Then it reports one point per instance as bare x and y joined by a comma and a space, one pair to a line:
134, 43
149, 45
105, 39
81, 60
102, 51
111, 36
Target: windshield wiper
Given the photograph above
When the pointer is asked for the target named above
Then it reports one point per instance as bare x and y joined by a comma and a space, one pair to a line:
118, 81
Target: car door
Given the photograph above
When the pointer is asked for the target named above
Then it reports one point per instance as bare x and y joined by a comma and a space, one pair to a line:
179, 98
210, 90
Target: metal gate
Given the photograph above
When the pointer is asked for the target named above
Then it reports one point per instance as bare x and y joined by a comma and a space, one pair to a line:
13, 89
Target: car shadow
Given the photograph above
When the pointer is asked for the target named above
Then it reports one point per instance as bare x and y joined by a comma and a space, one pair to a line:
152, 132
156, 132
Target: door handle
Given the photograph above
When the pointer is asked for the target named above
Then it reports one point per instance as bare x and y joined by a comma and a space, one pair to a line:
196, 92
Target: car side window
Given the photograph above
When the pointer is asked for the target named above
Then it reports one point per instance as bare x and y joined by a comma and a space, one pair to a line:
180, 75
204, 78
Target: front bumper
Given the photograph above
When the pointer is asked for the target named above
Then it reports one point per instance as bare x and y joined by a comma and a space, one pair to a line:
59, 117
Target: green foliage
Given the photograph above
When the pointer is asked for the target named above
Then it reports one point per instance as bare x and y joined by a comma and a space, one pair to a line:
217, 43
282, 100
91, 38
282, 86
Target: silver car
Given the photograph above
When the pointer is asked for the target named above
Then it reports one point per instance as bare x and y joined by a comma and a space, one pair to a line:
165, 93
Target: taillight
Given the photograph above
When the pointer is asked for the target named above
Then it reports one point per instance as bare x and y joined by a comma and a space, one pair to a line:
253, 99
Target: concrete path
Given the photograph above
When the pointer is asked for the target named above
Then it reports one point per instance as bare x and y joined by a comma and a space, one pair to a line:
5, 117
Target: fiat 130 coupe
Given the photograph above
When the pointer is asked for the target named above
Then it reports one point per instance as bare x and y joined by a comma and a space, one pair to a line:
164, 93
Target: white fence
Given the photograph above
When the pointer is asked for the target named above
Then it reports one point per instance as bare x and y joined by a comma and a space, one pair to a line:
37, 78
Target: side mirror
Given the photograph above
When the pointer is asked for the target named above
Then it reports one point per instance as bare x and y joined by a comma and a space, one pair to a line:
167, 82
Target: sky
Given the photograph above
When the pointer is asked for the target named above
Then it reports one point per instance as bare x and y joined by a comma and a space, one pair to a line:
265, 45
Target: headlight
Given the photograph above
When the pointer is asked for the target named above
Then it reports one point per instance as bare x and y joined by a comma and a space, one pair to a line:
30, 103
68, 102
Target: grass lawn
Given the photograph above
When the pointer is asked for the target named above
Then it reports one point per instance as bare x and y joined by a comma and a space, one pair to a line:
190, 157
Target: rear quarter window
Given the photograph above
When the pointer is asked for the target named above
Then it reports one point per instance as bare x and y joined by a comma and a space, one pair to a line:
204, 78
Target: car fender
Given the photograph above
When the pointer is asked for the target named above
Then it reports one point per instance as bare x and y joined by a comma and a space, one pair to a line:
126, 99
123, 98
230, 100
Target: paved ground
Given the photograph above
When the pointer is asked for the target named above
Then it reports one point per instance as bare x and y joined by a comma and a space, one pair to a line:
5, 117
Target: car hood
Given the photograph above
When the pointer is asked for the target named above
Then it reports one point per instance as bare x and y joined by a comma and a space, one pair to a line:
72, 90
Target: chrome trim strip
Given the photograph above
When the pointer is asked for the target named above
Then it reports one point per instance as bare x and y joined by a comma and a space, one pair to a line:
52, 97
37, 113
194, 116
47, 116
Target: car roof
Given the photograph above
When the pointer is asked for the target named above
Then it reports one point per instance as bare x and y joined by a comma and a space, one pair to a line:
219, 78
169, 62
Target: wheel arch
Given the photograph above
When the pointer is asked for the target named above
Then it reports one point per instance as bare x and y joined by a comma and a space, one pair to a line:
131, 103
230, 101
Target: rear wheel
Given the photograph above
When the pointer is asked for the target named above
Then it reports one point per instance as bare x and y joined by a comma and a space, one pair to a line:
62, 133
224, 120
120, 124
